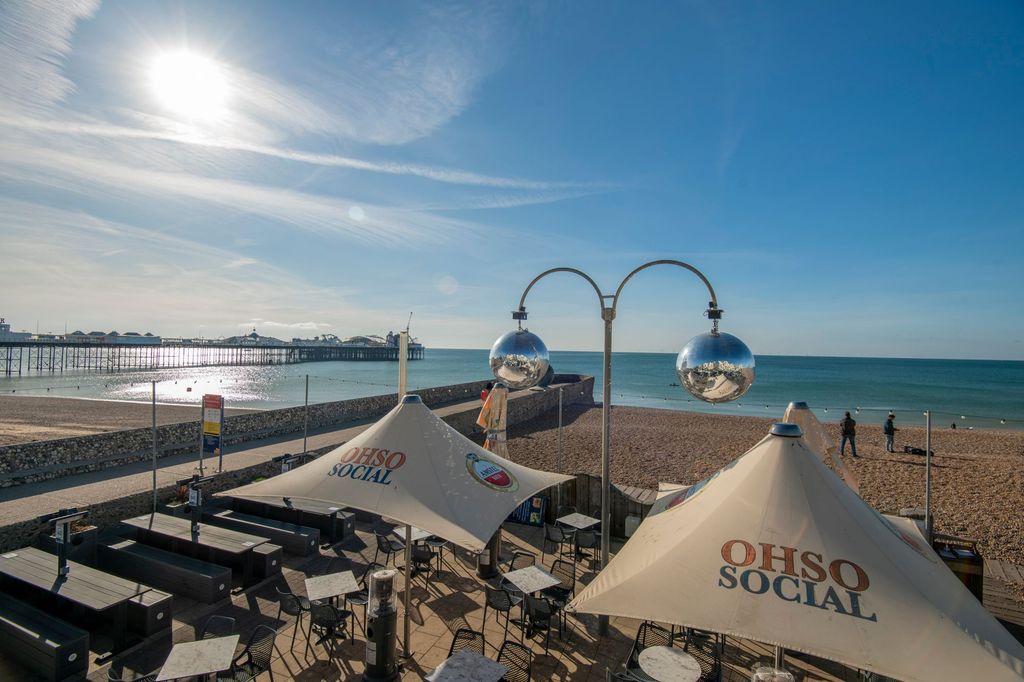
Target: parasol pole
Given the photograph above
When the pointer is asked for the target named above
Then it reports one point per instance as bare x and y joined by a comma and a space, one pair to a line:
154, 446
403, 370
408, 586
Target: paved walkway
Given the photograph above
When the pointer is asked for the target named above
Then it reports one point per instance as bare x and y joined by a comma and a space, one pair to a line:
25, 502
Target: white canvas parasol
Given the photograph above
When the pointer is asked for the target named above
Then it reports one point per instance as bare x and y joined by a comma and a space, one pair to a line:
775, 548
412, 467
818, 439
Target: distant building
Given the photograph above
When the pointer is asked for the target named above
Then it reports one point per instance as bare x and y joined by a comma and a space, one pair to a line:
129, 338
7, 335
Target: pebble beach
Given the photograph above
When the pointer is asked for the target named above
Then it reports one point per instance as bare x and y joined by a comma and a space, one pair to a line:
977, 475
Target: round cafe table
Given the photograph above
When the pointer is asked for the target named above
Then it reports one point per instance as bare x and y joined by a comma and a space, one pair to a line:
669, 664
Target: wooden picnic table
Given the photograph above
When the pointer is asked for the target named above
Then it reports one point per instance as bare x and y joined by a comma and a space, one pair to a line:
92, 589
211, 543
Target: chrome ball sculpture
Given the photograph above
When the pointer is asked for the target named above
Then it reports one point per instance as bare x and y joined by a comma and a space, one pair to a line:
715, 367
519, 359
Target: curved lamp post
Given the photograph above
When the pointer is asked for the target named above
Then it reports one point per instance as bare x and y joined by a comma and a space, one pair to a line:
714, 367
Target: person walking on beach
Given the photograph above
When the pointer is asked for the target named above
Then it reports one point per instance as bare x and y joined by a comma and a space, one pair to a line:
890, 433
847, 432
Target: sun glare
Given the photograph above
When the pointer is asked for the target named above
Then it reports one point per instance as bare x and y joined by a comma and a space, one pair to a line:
190, 85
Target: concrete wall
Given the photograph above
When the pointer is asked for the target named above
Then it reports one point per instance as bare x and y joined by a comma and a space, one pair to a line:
41, 460
111, 512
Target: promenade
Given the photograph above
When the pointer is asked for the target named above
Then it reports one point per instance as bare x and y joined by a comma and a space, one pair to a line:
26, 502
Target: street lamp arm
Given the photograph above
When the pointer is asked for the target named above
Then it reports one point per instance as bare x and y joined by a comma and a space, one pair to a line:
600, 296
711, 290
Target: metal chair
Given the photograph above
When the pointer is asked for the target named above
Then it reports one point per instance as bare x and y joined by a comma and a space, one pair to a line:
519, 661
389, 547
561, 594
588, 539
467, 639
362, 597
499, 600
559, 537
217, 626
294, 605
564, 510
255, 659
706, 648
422, 560
519, 560
439, 544
328, 621
648, 635
539, 612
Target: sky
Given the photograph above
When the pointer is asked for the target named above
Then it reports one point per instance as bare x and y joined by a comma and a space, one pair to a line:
848, 175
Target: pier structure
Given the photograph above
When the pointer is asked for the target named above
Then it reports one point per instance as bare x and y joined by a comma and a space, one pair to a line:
17, 357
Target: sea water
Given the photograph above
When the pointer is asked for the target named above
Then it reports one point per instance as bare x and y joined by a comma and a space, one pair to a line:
971, 393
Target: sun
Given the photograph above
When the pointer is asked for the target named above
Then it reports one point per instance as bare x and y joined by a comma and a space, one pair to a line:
190, 85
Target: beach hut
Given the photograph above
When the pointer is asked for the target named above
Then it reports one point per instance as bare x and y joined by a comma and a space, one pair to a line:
775, 548
817, 439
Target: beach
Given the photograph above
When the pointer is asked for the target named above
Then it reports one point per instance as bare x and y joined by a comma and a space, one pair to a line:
977, 475
25, 419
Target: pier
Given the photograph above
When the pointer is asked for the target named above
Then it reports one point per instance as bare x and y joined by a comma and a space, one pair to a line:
57, 356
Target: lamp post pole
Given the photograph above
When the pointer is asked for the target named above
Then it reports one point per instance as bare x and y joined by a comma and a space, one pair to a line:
608, 315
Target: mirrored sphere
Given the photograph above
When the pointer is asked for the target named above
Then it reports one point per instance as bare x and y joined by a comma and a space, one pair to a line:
519, 359
716, 368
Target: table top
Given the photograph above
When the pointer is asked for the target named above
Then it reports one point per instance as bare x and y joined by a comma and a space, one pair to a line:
468, 666
417, 533
669, 664
531, 579
209, 535
200, 657
579, 521
331, 585
84, 585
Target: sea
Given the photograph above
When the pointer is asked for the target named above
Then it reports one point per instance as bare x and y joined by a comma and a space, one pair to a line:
969, 393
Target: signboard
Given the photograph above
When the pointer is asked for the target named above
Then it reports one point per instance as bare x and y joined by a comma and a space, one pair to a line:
194, 497
60, 531
530, 512
213, 424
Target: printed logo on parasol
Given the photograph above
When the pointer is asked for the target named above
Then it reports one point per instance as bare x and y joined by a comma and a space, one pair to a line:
490, 474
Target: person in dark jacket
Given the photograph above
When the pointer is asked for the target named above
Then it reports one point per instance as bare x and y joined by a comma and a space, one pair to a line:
848, 432
890, 433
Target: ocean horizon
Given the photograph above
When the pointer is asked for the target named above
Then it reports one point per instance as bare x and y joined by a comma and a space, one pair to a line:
970, 393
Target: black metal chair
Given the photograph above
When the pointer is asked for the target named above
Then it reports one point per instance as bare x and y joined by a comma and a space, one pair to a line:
467, 639
615, 676
114, 677
519, 661
422, 560
706, 648
294, 605
588, 539
437, 544
501, 602
561, 594
559, 537
389, 547
255, 659
217, 626
327, 621
648, 635
519, 560
564, 510
362, 597
539, 613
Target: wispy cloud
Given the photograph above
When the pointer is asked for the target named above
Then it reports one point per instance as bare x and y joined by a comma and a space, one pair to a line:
36, 37
197, 139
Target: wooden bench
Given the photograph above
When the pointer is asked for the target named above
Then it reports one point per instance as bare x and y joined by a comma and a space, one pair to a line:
295, 539
47, 646
334, 523
266, 560
150, 612
199, 580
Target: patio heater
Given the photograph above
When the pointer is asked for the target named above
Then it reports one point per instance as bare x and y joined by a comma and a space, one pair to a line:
714, 367
381, 628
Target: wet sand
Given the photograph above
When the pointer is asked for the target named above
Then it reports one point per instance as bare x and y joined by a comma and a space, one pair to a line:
30, 418
977, 476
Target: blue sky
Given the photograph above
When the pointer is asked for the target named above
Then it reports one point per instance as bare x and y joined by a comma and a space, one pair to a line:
848, 175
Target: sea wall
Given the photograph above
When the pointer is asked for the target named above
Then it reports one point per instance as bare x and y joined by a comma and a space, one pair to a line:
576, 389
42, 460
